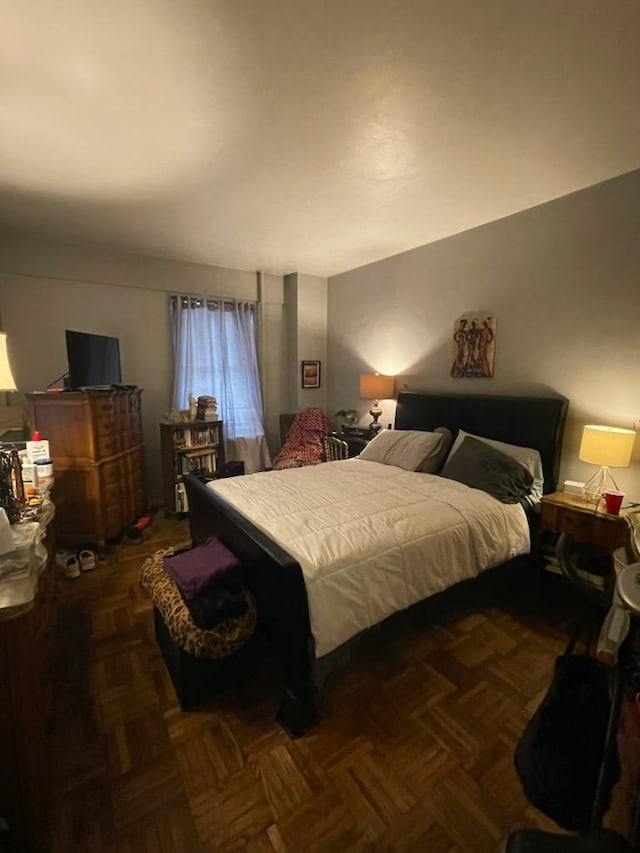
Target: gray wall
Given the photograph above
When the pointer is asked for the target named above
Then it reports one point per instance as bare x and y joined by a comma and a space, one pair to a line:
47, 287
562, 279
305, 299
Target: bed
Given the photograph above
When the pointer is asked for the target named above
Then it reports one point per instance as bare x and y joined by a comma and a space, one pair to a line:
314, 594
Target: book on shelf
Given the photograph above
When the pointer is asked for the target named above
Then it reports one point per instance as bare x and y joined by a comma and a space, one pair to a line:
551, 564
193, 437
182, 501
195, 460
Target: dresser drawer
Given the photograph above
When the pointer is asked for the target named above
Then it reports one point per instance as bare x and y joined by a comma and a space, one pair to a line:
102, 407
113, 523
577, 525
103, 425
108, 445
112, 495
109, 473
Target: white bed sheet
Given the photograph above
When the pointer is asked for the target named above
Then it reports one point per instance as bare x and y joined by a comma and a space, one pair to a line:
373, 539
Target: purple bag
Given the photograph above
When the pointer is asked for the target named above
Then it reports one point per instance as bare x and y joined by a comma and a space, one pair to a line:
203, 568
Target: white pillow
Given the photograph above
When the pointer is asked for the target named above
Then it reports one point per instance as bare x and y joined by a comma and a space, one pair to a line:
526, 456
404, 448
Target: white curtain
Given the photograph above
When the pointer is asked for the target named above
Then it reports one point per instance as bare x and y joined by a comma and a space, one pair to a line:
214, 352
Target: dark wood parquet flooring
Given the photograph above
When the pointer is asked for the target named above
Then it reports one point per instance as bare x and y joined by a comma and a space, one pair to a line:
414, 751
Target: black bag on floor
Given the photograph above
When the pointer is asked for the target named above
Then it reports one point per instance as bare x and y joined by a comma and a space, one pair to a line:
560, 753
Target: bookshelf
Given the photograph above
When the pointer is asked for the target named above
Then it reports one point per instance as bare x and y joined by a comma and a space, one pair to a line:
186, 447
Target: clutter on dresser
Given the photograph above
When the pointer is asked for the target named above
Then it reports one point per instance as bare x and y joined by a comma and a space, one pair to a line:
23, 557
37, 448
10, 502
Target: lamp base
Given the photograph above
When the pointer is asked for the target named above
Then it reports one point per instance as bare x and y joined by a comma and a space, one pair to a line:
375, 411
595, 488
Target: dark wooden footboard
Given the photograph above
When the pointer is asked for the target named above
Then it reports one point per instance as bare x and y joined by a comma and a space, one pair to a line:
277, 582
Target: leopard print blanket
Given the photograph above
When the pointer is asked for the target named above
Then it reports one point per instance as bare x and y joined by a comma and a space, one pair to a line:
223, 640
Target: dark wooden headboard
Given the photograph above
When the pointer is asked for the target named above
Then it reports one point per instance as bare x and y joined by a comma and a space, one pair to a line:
536, 422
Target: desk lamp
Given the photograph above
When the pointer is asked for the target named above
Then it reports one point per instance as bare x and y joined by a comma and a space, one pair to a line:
376, 387
608, 447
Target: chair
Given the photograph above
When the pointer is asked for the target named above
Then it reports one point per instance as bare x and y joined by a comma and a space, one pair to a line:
335, 448
305, 440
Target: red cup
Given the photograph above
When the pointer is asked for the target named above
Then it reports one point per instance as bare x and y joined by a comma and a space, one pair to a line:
613, 501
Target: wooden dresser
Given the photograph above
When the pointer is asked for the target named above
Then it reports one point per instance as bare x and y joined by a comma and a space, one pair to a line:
95, 440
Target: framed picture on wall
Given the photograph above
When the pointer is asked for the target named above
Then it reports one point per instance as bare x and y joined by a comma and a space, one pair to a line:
474, 346
310, 374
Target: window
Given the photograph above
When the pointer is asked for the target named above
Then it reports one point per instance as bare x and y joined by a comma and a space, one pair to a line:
214, 348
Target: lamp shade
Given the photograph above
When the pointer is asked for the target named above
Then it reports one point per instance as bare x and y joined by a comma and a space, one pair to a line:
6, 377
373, 386
609, 446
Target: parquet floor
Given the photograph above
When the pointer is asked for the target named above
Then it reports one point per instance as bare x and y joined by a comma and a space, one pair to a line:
414, 752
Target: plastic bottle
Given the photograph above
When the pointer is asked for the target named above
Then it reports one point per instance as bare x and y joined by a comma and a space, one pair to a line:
43, 472
38, 447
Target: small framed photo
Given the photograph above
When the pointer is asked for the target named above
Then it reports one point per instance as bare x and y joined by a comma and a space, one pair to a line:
310, 374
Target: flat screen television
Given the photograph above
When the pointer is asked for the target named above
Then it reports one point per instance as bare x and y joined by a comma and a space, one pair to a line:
94, 360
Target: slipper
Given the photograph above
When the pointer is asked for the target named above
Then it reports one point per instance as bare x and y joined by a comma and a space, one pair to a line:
87, 560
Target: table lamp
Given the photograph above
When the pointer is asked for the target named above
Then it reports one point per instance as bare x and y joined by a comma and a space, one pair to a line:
608, 447
9, 461
7, 382
376, 387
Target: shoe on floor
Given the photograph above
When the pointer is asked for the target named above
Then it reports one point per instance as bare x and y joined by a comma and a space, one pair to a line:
87, 560
71, 567
133, 535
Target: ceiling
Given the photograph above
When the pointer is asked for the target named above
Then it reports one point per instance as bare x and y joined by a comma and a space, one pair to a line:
306, 135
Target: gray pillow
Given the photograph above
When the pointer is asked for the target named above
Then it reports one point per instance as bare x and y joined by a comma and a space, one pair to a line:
526, 456
481, 466
404, 448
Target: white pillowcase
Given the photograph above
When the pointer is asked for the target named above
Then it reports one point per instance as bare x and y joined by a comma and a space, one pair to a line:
526, 456
404, 448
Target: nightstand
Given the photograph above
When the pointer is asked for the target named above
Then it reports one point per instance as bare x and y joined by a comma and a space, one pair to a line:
573, 525
563, 513
356, 438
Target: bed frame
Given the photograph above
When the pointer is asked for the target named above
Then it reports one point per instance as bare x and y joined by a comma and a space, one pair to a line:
276, 578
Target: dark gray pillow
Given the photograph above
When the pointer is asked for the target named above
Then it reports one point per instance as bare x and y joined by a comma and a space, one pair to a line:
481, 466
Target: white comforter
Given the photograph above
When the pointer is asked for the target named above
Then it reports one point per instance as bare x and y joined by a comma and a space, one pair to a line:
372, 539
